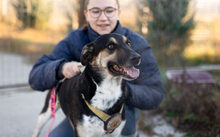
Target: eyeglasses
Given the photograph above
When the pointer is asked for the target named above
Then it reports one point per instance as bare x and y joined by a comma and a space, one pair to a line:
96, 12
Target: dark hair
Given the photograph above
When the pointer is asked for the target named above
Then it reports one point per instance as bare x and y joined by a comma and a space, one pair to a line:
87, 2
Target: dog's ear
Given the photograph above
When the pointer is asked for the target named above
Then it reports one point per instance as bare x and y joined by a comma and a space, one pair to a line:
87, 54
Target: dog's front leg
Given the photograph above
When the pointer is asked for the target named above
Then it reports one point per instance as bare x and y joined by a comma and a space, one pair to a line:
89, 131
83, 132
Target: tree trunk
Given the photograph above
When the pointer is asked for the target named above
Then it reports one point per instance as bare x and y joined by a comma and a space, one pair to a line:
81, 17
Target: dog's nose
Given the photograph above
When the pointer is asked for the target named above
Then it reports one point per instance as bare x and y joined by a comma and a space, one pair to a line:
135, 59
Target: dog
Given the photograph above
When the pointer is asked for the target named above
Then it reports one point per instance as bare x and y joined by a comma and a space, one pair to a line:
93, 101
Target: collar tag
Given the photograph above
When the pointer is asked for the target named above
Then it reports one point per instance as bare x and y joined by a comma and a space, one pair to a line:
111, 122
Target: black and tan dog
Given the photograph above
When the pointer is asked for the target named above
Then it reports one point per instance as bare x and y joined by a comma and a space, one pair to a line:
93, 101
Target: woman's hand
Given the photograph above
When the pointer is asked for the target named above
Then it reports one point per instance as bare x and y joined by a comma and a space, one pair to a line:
71, 69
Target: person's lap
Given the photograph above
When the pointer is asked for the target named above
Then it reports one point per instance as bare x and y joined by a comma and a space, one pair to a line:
64, 129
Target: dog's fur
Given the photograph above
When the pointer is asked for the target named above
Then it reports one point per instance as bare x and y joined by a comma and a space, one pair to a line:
109, 62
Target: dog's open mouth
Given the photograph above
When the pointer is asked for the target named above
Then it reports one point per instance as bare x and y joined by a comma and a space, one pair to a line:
129, 72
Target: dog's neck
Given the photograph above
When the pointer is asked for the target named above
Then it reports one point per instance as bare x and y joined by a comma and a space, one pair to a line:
108, 90
93, 75
107, 94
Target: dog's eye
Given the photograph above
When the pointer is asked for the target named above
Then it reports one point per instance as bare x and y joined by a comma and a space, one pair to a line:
111, 46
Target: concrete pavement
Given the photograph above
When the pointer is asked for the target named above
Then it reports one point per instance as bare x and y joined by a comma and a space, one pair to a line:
19, 108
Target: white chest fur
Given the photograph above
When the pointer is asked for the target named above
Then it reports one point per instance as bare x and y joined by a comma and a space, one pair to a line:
94, 127
107, 94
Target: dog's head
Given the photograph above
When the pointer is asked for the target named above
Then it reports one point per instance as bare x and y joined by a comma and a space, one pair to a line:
112, 53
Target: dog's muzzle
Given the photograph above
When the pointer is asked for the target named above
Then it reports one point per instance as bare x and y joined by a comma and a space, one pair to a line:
127, 69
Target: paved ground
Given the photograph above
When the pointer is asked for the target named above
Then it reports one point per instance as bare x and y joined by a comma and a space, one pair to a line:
19, 109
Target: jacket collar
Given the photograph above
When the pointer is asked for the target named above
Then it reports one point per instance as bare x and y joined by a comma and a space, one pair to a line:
94, 35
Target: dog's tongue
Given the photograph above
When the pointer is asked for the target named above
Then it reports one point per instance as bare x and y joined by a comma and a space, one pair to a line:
132, 72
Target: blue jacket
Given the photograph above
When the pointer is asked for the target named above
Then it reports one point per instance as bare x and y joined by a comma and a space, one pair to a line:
146, 91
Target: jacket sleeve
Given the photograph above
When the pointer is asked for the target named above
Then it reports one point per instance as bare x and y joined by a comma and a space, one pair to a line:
146, 91
44, 75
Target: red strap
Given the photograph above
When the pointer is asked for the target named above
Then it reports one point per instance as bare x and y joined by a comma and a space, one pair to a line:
52, 107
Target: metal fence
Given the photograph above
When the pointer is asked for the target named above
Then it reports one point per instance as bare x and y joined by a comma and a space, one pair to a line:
13, 70
14, 67
17, 57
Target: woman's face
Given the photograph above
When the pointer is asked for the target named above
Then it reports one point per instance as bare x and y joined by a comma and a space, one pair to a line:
102, 15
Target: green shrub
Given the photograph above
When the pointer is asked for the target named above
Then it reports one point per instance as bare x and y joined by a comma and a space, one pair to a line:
194, 106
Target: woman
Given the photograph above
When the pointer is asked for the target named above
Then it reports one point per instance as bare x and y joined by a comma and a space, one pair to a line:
102, 17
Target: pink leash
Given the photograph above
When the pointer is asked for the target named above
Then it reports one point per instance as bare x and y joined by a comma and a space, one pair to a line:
52, 107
